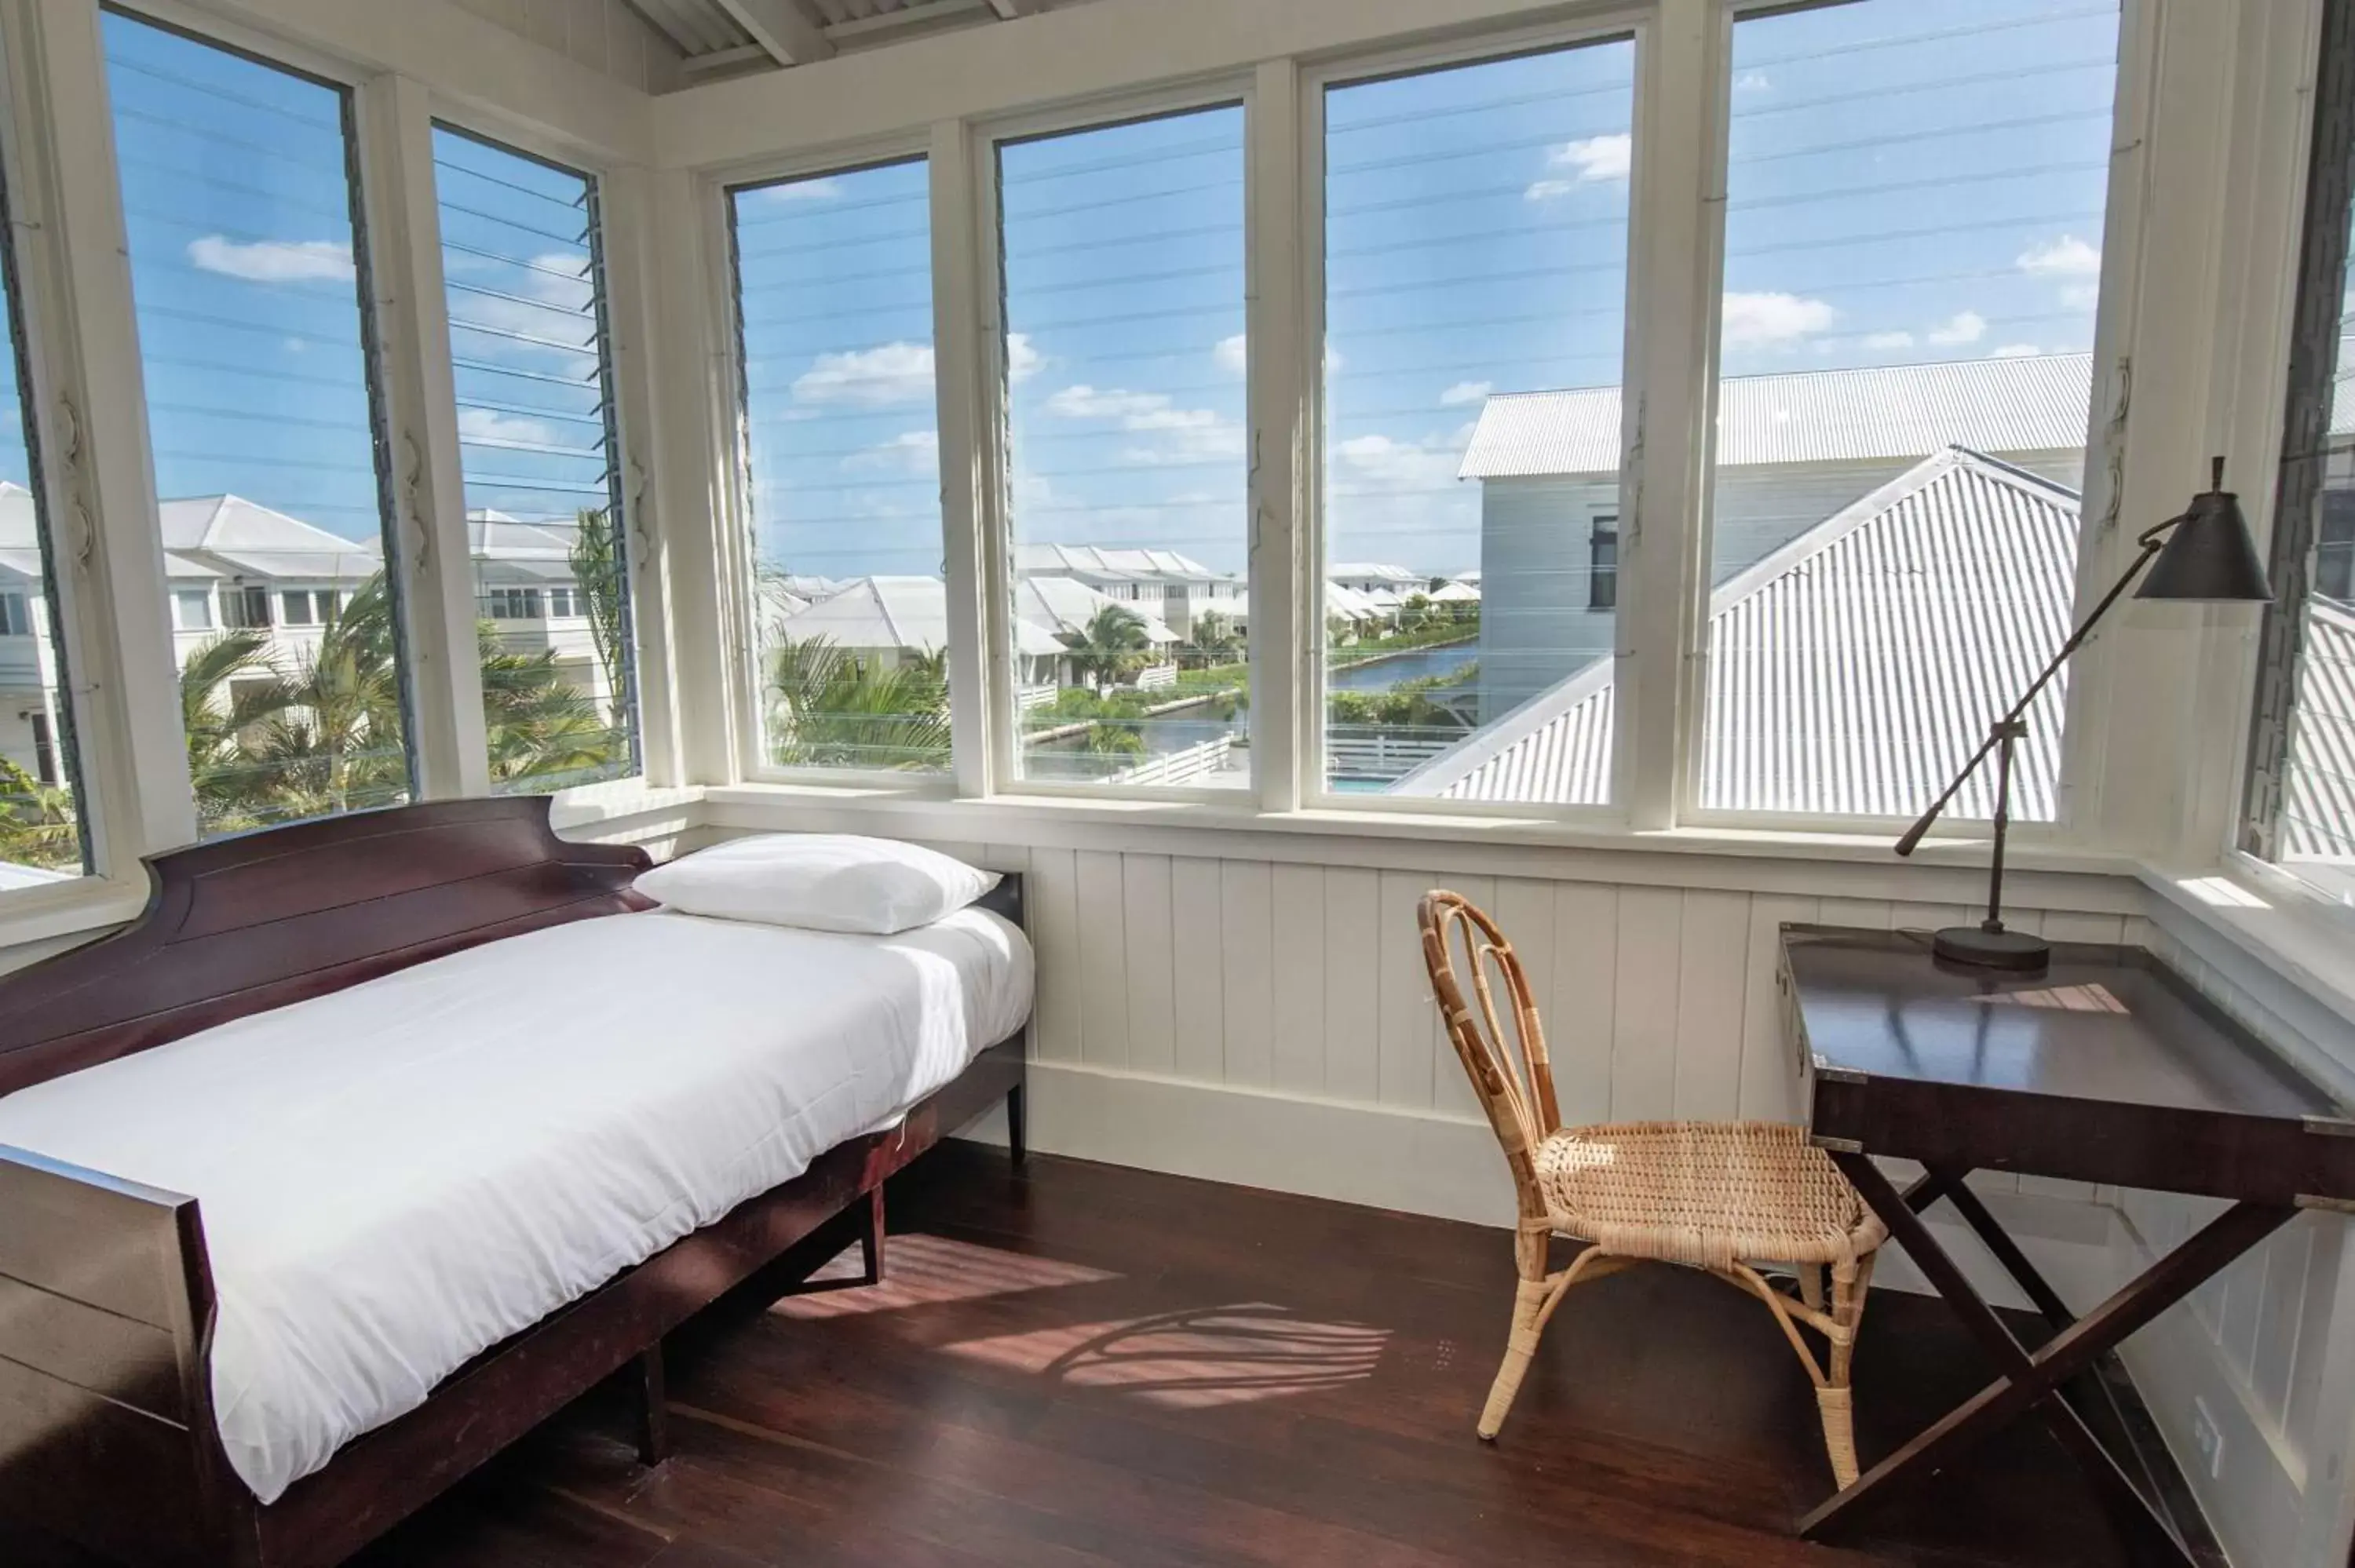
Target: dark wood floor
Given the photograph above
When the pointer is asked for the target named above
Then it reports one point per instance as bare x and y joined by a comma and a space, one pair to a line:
1083, 1364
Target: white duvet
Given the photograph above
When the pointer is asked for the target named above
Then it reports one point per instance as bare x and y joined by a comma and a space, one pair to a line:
395, 1177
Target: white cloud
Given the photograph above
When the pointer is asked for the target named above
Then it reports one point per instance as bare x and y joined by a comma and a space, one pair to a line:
1179, 435
1768, 320
915, 451
2081, 296
2067, 257
1022, 360
490, 425
1964, 327
824, 190
1591, 159
868, 377
1889, 340
1465, 392
2015, 351
1546, 190
273, 260
1084, 402
1234, 354
1753, 82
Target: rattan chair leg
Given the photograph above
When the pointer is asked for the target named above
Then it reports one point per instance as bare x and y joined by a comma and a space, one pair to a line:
1811, 1284
1839, 1432
1529, 1298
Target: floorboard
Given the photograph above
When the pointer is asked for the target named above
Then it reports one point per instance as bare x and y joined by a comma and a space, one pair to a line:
1079, 1364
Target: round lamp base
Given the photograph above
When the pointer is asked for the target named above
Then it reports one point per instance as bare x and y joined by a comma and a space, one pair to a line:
1998, 950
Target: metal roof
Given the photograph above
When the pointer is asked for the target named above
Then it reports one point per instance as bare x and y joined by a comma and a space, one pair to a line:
729, 35
1125, 562
2006, 406
2319, 798
1850, 671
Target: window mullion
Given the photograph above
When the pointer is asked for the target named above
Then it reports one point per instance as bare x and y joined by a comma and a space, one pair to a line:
1282, 680
94, 413
1675, 238
430, 494
971, 542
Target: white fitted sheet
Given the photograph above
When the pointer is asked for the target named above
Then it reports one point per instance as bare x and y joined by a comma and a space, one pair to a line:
399, 1175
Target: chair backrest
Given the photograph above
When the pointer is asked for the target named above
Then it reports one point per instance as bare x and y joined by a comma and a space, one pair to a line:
1465, 952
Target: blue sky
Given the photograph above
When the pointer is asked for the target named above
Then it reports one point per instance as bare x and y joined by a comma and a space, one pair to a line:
1911, 180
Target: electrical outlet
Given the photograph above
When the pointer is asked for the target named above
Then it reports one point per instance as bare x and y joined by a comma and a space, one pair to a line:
2209, 1438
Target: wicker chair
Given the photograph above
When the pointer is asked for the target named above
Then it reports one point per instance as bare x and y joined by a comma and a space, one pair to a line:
1717, 1196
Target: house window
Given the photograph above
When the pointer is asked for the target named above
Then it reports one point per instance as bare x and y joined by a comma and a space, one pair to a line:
1474, 312
1603, 564
848, 619
522, 259
246, 609
1913, 267
16, 615
515, 604
192, 609
250, 285
2300, 799
307, 607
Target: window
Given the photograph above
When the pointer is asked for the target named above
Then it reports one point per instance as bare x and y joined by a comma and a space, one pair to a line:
1124, 294
2300, 810
307, 607
563, 603
515, 604
41, 805
258, 353
1913, 217
246, 609
1475, 261
1603, 564
192, 609
522, 260
849, 611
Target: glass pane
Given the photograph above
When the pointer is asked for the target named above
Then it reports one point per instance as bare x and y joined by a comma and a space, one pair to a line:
257, 349
522, 268
842, 454
1475, 282
1913, 222
1124, 266
41, 813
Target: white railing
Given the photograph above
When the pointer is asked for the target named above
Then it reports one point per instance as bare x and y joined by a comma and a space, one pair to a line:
1156, 678
1378, 753
1030, 697
1172, 769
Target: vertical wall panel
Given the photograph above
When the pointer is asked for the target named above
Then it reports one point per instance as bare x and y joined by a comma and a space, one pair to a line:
1298, 904
1248, 933
1644, 1045
1585, 998
1870, 914
1352, 992
1712, 993
1404, 1076
1104, 960
1194, 916
1051, 893
1151, 984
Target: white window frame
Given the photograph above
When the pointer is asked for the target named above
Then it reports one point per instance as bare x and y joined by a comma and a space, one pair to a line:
1228, 90
1638, 25
732, 510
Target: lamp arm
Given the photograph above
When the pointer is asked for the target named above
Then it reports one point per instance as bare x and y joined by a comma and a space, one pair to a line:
2150, 539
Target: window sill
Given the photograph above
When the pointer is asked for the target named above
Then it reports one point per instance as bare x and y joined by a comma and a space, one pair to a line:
927, 812
621, 808
89, 905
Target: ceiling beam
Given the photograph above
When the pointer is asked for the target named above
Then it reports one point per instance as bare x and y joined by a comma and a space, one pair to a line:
1007, 10
788, 33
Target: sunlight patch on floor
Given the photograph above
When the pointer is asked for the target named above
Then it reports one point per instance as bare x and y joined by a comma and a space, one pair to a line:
930, 1271
1220, 1355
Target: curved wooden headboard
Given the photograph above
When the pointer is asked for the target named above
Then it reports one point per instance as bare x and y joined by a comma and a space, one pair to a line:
242, 925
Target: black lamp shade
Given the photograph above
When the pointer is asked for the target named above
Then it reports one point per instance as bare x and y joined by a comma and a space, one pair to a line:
2209, 558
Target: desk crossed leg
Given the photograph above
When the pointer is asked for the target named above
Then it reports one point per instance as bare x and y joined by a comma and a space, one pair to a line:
2035, 1380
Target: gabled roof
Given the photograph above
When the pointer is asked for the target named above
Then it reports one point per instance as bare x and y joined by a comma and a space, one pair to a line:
2032, 404
1373, 571
1850, 671
1136, 563
1067, 604
906, 612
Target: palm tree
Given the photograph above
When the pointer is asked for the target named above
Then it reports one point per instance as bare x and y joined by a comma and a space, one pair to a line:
1113, 643
335, 745
829, 708
1215, 638
229, 691
597, 561
36, 821
542, 729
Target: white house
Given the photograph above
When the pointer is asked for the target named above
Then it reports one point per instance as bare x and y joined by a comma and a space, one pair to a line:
1793, 449
1175, 587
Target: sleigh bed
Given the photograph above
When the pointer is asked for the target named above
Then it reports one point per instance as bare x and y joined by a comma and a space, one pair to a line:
109, 1434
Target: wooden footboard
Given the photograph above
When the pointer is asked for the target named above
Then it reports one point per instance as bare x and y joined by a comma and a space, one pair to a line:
106, 1419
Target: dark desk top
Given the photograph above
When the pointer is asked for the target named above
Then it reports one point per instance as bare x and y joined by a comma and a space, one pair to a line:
2107, 1067
2105, 1023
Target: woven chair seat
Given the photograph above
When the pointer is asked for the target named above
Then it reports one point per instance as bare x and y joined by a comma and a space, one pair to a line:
1707, 1194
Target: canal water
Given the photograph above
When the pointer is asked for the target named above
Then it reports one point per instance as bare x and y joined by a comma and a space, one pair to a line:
1413, 665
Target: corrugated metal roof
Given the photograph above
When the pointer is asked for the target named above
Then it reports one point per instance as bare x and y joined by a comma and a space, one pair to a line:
2318, 805
1852, 672
2034, 404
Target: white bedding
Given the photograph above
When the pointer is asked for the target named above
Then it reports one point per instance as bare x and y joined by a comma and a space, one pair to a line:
396, 1176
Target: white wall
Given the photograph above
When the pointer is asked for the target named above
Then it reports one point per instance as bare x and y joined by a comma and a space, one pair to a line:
605, 35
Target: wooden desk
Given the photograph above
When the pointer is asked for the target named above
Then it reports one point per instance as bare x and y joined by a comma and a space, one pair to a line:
2107, 1068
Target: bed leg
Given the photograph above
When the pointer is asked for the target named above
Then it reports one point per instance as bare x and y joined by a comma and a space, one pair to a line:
871, 1240
1017, 1143
654, 1409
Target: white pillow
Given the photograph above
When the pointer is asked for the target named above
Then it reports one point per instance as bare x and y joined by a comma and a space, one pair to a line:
820, 882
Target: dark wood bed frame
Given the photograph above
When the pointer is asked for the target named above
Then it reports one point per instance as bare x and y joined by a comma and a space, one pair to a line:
107, 1434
